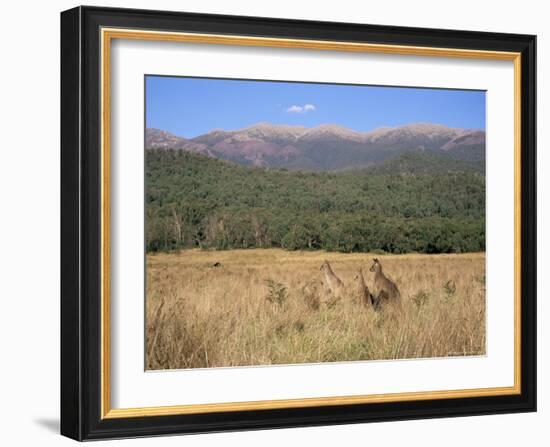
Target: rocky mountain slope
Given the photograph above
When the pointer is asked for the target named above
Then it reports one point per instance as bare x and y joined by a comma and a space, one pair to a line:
327, 147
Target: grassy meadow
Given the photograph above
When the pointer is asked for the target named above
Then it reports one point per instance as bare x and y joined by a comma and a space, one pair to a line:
208, 308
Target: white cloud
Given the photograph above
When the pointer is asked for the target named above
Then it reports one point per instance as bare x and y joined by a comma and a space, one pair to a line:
295, 109
301, 109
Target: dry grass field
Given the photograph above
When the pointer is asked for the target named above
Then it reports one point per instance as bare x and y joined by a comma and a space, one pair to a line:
268, 306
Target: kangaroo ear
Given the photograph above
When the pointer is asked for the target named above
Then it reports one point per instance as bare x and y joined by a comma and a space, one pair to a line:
375, 259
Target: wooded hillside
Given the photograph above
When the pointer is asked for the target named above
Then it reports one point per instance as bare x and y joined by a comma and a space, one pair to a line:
416, 202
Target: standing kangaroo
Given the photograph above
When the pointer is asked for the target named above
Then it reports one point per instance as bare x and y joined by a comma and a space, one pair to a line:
334, 284
384, 288
364, 294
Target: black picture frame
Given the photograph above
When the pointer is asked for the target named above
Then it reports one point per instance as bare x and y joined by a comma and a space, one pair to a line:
81, 223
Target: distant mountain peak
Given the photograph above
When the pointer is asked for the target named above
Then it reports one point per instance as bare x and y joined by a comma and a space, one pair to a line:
425, 126
325, 147
335, 128
275, 127
217, 130
261, 125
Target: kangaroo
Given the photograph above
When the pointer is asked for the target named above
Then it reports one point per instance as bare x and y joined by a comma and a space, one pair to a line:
333, 283
364, 294
384, 288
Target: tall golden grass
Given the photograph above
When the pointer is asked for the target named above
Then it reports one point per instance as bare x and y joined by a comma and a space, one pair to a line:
267, 306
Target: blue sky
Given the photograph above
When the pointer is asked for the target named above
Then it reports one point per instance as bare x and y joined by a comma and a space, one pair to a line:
193, 106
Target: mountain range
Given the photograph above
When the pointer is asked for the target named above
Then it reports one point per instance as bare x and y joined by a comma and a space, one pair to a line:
327, 147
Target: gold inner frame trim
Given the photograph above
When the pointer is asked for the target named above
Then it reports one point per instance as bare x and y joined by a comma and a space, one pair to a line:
107, 35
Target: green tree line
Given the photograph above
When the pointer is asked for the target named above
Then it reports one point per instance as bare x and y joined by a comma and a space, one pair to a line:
196, 201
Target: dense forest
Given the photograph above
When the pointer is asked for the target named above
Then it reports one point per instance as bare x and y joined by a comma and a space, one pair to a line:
417, 202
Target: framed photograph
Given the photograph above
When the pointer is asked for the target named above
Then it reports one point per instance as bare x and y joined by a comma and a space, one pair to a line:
275, 223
